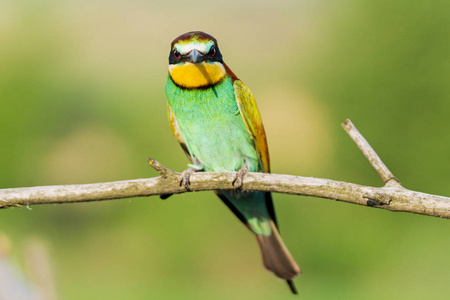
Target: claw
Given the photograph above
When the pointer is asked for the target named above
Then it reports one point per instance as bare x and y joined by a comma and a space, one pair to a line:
238, 181
185, 178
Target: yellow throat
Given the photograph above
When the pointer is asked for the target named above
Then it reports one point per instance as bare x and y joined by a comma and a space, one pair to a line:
191, 75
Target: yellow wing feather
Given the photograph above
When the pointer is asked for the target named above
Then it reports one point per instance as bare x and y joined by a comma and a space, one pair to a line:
177, 133
252, 119
174, 126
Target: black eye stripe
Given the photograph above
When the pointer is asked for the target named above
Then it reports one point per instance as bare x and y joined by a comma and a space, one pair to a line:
213, 55
212, 51
174, 57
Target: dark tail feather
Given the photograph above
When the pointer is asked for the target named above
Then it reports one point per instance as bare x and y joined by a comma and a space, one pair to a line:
276, 257
292, 287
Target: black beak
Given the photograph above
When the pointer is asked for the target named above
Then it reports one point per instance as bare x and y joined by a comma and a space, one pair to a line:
194, 57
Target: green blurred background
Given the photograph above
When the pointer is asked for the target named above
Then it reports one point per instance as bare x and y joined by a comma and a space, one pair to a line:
82, 101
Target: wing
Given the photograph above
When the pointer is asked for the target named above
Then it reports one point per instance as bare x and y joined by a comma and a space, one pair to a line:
177, 133
252, 119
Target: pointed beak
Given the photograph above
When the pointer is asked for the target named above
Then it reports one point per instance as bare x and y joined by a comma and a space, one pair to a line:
195, 56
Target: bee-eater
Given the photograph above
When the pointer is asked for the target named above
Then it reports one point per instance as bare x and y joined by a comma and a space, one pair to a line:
214, 117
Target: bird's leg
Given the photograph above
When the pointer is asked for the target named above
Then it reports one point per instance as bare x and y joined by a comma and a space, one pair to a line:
186, 174
239, 179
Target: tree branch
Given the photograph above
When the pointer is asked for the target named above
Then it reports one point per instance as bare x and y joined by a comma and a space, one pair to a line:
392, 196
370, 154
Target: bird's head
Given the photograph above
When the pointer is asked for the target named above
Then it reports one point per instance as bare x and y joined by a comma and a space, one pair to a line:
195, 60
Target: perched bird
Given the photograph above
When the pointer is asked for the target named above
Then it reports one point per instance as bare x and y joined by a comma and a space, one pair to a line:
214, 117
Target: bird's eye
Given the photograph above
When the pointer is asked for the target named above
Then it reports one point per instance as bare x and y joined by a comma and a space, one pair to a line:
212, 51
176, 54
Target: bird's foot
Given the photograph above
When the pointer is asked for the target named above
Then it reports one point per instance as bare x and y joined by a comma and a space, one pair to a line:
185, 177
239, 179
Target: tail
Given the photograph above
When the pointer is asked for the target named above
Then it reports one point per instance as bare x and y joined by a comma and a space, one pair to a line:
276, 257
256, 211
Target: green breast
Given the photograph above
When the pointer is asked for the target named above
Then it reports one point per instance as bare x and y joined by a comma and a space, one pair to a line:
212, 127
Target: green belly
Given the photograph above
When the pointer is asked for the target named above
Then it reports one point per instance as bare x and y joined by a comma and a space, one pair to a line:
212, 127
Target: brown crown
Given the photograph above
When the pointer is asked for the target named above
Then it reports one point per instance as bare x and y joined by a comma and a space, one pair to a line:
194, 35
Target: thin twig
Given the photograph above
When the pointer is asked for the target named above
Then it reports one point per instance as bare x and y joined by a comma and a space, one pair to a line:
385, 174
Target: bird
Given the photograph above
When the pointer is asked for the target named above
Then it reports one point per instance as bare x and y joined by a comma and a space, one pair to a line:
214, 117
